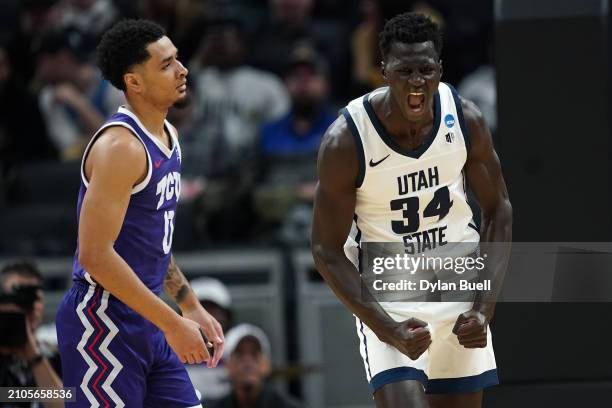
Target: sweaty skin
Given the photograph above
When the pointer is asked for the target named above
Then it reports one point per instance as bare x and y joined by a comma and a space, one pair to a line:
408, 68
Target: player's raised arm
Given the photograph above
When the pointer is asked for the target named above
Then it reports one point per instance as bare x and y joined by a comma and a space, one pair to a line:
334, 208
485, 178
117, 162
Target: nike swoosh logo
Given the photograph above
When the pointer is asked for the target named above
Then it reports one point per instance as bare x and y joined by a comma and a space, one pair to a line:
158, 163
374, 164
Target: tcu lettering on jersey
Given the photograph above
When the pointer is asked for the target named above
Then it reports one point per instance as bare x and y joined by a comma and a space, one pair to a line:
145, 239
168, 187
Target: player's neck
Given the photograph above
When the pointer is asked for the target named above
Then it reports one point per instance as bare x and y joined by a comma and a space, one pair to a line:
149, 115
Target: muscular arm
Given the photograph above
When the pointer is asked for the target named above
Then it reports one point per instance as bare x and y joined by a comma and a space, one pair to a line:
334, 206
485, 178
116, 162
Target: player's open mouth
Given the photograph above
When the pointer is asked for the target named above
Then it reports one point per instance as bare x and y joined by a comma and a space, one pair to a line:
416, 101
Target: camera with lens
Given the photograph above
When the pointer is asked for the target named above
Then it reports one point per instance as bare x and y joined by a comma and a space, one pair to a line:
23, 296
13, 322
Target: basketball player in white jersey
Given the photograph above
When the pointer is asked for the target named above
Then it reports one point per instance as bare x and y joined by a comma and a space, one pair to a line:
391, 169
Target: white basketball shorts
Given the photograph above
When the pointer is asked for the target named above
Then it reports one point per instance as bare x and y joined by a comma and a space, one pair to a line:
445, 368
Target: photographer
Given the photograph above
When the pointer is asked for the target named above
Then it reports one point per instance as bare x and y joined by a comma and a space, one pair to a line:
22, 363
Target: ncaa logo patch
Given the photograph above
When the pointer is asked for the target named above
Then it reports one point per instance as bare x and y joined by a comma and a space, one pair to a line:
449, 120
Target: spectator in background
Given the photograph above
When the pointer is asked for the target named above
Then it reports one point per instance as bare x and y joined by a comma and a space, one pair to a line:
212, 383
366, 73
28, 365
231, 101
74, 98
23, 136
364, 46
29, 20
480, 88
288, 146
290, 23
467, 30
215, 298
182, 20
187, 122
248, 353
91, 17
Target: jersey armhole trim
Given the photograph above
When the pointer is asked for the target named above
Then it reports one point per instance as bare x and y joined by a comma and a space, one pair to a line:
358, 146
464, 129
138, 187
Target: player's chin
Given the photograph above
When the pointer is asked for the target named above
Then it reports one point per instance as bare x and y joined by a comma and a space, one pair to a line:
181, 102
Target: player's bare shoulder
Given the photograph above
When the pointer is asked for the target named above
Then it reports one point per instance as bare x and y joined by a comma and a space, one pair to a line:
472, 114
337, 160
337, 140
479, 135
117, 148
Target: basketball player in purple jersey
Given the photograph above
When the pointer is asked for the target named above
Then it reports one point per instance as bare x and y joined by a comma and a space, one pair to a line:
120, 344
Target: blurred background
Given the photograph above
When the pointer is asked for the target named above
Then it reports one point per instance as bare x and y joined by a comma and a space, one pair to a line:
266, 79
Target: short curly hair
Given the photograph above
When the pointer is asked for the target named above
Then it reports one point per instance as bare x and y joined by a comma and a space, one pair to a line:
124, 46
409, 28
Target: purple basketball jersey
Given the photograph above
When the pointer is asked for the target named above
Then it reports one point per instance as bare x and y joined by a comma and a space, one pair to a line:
145, 239
111, 354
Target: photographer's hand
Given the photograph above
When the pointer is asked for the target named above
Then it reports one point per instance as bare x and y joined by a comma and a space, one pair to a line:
31, 350
44, 374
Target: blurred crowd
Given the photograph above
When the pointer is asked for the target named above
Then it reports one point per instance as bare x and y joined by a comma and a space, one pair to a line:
29, 355
267, 78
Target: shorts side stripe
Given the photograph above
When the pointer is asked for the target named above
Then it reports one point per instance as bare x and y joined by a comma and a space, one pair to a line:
116, 364
367, 357
92, 351
81, 347
359, 268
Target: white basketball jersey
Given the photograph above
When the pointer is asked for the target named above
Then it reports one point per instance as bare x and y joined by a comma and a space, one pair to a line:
415, 197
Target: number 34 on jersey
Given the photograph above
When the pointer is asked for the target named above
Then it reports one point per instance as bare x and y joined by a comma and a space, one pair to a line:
414, 240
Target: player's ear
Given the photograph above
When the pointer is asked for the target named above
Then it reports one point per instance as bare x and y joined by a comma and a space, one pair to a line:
133, 82
383, 70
